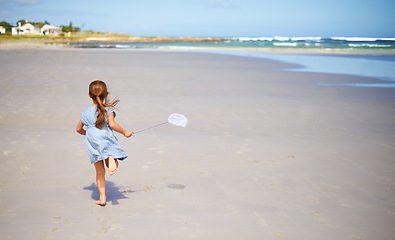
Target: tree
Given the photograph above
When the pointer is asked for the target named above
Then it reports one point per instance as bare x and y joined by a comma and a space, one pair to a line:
70, 28
23, 22
5, 24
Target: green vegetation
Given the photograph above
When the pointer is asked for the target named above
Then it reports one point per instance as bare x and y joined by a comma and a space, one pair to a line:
5, 24
70, 28
63, 38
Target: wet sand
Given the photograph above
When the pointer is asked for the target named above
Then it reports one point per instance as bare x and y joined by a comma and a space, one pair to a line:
267, 154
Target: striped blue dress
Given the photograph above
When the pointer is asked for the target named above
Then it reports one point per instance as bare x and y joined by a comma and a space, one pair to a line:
100, 143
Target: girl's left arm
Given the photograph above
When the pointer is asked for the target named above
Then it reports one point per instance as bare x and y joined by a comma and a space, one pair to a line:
80, 128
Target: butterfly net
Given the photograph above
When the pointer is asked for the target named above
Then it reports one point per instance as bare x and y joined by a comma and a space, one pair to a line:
178, 120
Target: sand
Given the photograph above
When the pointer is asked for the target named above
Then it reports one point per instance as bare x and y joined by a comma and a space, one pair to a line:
267, 154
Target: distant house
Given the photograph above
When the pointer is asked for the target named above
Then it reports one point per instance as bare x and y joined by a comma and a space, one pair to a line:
29, 28
51, 30
2, 30
26, 29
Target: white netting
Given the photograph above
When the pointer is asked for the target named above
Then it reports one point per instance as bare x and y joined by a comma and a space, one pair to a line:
178, 120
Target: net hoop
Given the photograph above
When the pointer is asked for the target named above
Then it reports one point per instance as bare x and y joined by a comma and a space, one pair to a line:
177, 120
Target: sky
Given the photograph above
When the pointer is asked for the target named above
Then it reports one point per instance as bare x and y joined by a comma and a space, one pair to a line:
213, 18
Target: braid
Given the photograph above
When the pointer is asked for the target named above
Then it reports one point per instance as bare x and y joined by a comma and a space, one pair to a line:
98, 93
102, 112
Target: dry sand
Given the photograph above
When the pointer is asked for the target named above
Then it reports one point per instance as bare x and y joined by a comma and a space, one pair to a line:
267, 154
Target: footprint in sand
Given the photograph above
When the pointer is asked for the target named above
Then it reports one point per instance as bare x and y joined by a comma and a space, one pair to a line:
128, 189
278, 234
106, 226
232, 211
315, 213
176, 186
148, 187
160, 149
58, 219
270, 161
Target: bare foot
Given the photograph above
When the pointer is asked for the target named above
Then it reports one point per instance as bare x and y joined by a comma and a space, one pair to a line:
112, 165
101, 202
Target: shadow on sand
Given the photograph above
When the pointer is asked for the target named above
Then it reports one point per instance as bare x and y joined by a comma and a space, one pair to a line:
113, 193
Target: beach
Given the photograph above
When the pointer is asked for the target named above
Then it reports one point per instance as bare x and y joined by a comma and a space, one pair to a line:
266, 154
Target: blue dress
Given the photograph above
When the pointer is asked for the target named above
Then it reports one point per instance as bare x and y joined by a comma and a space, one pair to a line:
100, 143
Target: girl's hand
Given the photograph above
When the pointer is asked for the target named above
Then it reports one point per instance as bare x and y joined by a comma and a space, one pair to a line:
128, 134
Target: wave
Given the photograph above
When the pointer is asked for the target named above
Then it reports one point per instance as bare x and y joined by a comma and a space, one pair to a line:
122, 46
361, 39
277, 38
311, 39
317, 39
253, 39
361, 43
369, 45
284, 44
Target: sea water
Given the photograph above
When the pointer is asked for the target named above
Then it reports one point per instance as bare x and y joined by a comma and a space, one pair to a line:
379, 67
264, 42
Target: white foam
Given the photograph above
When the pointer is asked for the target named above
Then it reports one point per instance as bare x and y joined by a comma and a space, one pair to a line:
247, 39
367, 45
277, 38
361, 39
314, 39
306, 39
285, 44
122, 46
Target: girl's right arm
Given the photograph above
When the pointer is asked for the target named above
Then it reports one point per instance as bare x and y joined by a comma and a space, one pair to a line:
80, 128
114, 126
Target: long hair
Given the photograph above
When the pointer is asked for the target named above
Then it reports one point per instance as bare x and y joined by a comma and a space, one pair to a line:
98, 93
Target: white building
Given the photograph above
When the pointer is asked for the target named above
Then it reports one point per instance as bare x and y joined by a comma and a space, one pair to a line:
2, 30
29, 28
51, 30
26, 29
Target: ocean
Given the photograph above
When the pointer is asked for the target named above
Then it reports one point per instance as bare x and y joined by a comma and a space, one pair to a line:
376, 56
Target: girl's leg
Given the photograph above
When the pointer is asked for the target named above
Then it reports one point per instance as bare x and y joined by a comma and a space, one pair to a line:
112, 165
101, 182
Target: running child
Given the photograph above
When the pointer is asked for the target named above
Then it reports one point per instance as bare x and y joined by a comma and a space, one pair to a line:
101, 144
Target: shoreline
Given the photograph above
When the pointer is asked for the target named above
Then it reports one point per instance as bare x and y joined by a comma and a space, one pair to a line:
304, 51
336, 61
45, 44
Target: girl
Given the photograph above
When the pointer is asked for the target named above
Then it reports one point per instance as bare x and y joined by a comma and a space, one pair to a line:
101, 144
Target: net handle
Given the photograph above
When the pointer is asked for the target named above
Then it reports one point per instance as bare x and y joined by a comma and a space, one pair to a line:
149, 127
